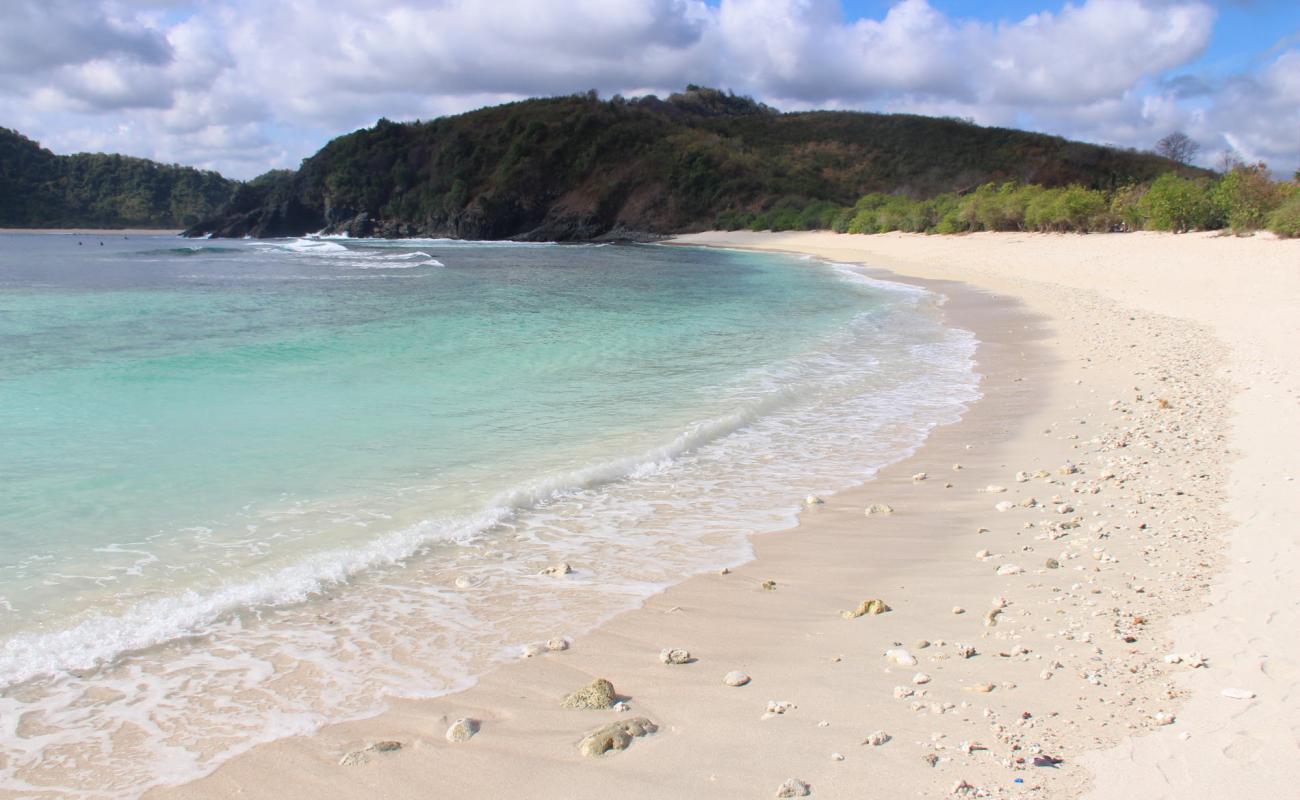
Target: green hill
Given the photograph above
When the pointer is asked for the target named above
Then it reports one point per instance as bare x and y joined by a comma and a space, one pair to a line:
575, 168
39, 189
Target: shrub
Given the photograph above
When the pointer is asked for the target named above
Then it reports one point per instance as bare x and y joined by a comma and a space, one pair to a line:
1246, 196
1178, 204
1285, 219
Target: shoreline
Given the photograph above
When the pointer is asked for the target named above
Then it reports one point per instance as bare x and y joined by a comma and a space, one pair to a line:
714, 740
96, 231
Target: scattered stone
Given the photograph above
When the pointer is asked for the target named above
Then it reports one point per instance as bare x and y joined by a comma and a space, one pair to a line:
837, 756
991, 617
813, 500
462, 730
920, 679
872, 607
920, 476
1238, 694
464, 582
962, 788
1004, 505
1164, 718
615, 736
531, 650
724, 571
930, 758
903, 692
964, 650
597, 694
769, 586
958, 610
901, 657
362, 756
558, 644
983, 555
777, 708
1010, 569
793, 788
879, 508
675, 656
561, 568
921, 644
1052, 563
1068, 469
1022, 476
735, 678
992, 489
877, 738
982, 688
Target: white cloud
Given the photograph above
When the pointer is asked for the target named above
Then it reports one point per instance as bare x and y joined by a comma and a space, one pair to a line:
245, 85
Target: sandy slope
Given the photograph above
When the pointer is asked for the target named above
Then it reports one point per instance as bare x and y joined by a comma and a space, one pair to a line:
1110, 363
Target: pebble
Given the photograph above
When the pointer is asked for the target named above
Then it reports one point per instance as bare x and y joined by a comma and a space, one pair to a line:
813, 500
901, 657
778, 707
561, 568
597, 694
877, 738
920, 678
1164, 718
735, 678
615, 736
558, 644
1010, 569
872, 607
462, 730
958, 610
1238, 694
464, 582
879, 508
793, 787
920, 476
675, 656
837, 756
992, 489
531, 650
1004, 505
769, 586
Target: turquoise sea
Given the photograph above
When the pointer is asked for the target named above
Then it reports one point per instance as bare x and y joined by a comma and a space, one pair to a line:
251, 487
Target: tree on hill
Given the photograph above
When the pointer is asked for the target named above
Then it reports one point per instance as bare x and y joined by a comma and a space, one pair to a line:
1179, 147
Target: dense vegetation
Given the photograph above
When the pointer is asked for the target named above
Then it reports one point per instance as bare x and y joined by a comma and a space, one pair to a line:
41, 190
570, 168
1243, 200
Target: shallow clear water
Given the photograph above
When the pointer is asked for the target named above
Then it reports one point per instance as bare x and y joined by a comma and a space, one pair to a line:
247, 488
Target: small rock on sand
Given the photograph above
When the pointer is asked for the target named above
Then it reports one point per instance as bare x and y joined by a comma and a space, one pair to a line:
920, 678
813, 500
958, 610
531, 650
879, 508
877, 738
557, 644
462, 730
675, 656
615, 736
992, 489
793, 788
1238, 694
901, 657
920, 476
1052, 563
597, 694
735, 678
561, 568
1004, 505
872, 606
1010, 569
769, 586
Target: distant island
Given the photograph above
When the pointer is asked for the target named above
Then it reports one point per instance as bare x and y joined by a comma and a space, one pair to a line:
39, 189
578, 168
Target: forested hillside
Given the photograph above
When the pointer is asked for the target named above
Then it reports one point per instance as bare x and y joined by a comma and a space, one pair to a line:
576, 168
39, 189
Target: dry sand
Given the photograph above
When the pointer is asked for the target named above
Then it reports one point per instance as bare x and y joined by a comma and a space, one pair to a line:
1144, 385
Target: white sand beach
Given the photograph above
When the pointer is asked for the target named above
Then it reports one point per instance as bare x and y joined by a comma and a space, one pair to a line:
1114, 521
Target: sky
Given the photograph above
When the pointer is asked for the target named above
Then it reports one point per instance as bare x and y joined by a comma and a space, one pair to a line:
243, 86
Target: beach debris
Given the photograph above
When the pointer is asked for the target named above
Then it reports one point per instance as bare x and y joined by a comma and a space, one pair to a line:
597, 694
1010, 569
1052, 563
963, 788
735, 678
877, 738
1192, 660
983, 555
361, 756
921, 644
813, 500
769, 586
558, 644
993, 489
1004, 505
982, 688
793, 787
1022, 476
1067, 469
462, 730
901, 657
903, 692
964, 650
958, 610
920, 476
837, 756
531, 650
879, 508
622, 707
615, 736
1238, 694
1164, 718
724, 571
1047, 761
931, 759
991, 617
561, 568
872, 607
675, 655
464, 582
776, 708
920, 678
